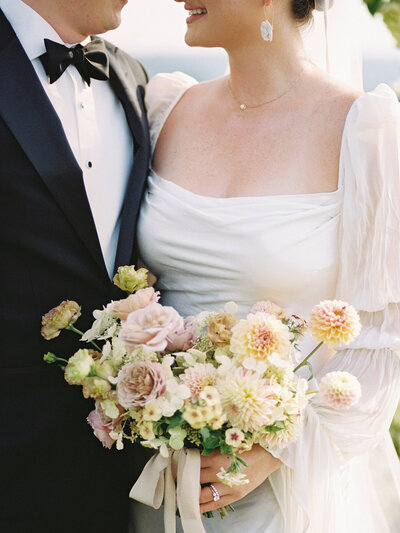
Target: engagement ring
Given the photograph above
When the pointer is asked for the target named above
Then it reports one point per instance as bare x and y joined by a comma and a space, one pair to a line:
215, 493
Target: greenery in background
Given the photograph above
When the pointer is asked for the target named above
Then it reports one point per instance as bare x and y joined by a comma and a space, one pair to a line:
395, 430
390, 10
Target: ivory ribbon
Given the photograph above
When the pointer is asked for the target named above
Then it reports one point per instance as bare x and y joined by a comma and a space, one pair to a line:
157, 484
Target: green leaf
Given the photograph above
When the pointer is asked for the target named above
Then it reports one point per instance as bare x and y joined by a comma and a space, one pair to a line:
211, 442
206, 452
175, 421
226, 449
373, 5
205, 432
310, 369
240, 460
277, 426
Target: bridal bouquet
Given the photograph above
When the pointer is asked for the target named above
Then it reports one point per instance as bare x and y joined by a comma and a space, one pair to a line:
202, 383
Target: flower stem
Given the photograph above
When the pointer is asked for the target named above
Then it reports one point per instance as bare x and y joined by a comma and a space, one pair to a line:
304, 362
94, 374
71, 327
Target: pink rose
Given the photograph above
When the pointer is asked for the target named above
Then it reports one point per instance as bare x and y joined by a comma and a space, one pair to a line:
150, 327
140, 383
101, 431
143, 297
102, 424
183, 338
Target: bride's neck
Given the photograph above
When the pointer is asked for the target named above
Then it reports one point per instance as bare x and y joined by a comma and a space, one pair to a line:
260, 70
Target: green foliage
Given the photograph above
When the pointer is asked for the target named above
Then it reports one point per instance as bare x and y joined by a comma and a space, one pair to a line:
390, 9
395, 430
373, 5
176, 421
210, 440
391, 16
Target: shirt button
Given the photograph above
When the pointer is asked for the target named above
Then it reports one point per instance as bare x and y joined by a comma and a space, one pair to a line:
82, 105
89, 164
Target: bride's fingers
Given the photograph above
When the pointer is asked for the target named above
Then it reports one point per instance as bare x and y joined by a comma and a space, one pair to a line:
213, 506
215, 461
208, 475
207, 494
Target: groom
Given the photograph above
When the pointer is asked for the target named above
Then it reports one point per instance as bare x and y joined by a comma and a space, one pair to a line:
74, 153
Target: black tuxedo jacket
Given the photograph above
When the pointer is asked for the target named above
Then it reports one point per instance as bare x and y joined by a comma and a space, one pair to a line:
55, 475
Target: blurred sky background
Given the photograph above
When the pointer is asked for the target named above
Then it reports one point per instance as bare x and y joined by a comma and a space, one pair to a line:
153, 31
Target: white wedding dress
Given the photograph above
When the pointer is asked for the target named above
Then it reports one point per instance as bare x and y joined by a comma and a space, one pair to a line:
342, 474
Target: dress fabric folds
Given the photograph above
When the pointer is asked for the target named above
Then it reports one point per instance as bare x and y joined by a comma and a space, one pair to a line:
342, 474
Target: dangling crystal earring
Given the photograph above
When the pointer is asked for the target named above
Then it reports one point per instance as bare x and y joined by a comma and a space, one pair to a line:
267, 30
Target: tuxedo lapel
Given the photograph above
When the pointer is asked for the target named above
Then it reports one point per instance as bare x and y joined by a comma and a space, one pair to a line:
33, 121
131, 95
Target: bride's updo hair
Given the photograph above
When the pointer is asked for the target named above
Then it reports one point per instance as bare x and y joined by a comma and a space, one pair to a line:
302, 9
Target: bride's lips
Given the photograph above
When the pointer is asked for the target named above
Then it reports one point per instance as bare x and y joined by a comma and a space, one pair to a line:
193, 16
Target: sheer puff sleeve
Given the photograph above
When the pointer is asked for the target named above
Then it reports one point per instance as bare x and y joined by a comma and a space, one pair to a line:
326, 482
162, 94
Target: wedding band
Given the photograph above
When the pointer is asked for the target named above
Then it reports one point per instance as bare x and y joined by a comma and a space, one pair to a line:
215, 493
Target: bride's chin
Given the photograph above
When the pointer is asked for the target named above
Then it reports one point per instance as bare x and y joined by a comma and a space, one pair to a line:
191, 39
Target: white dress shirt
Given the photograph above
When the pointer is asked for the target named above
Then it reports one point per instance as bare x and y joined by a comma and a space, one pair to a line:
94, 123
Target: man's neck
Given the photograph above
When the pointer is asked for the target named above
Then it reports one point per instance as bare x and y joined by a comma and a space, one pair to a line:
53, 12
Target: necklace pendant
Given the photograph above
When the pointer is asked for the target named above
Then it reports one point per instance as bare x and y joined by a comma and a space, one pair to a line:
243, 107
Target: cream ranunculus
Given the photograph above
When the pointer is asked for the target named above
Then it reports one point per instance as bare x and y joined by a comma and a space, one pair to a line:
143, 297
140, 383
150, 327
58, 318
129, 279
79, 367
219, 330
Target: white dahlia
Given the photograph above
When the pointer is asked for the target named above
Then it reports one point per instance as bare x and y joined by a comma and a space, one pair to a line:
199, 376
340, 389
282, 438
334, 322
247, 399
259, 336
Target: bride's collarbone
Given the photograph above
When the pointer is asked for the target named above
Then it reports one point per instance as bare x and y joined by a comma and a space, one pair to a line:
225, 162
283, 150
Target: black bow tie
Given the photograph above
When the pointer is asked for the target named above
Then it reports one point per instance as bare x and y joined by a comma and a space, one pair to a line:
91, 60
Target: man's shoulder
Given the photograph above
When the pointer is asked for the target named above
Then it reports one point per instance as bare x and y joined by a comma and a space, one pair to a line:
135, 66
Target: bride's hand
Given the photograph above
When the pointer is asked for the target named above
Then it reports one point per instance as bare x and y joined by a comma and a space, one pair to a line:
260, 464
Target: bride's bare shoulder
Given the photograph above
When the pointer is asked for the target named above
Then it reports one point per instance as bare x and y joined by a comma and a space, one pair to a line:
333, 96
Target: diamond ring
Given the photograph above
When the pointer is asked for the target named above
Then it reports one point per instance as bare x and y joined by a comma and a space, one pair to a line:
215, 493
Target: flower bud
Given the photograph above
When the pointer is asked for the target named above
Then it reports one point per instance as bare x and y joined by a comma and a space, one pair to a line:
130, 280
50, 358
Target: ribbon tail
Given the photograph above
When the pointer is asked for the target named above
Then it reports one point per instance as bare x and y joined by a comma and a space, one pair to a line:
149, 488
188, 490
170, 499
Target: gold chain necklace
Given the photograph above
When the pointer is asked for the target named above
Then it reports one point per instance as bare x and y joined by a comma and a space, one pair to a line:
244, 106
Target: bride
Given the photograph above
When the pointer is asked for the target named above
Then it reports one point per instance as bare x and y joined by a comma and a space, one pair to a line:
278, 182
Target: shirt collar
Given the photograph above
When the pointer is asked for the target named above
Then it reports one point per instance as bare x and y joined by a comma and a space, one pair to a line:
30, 28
